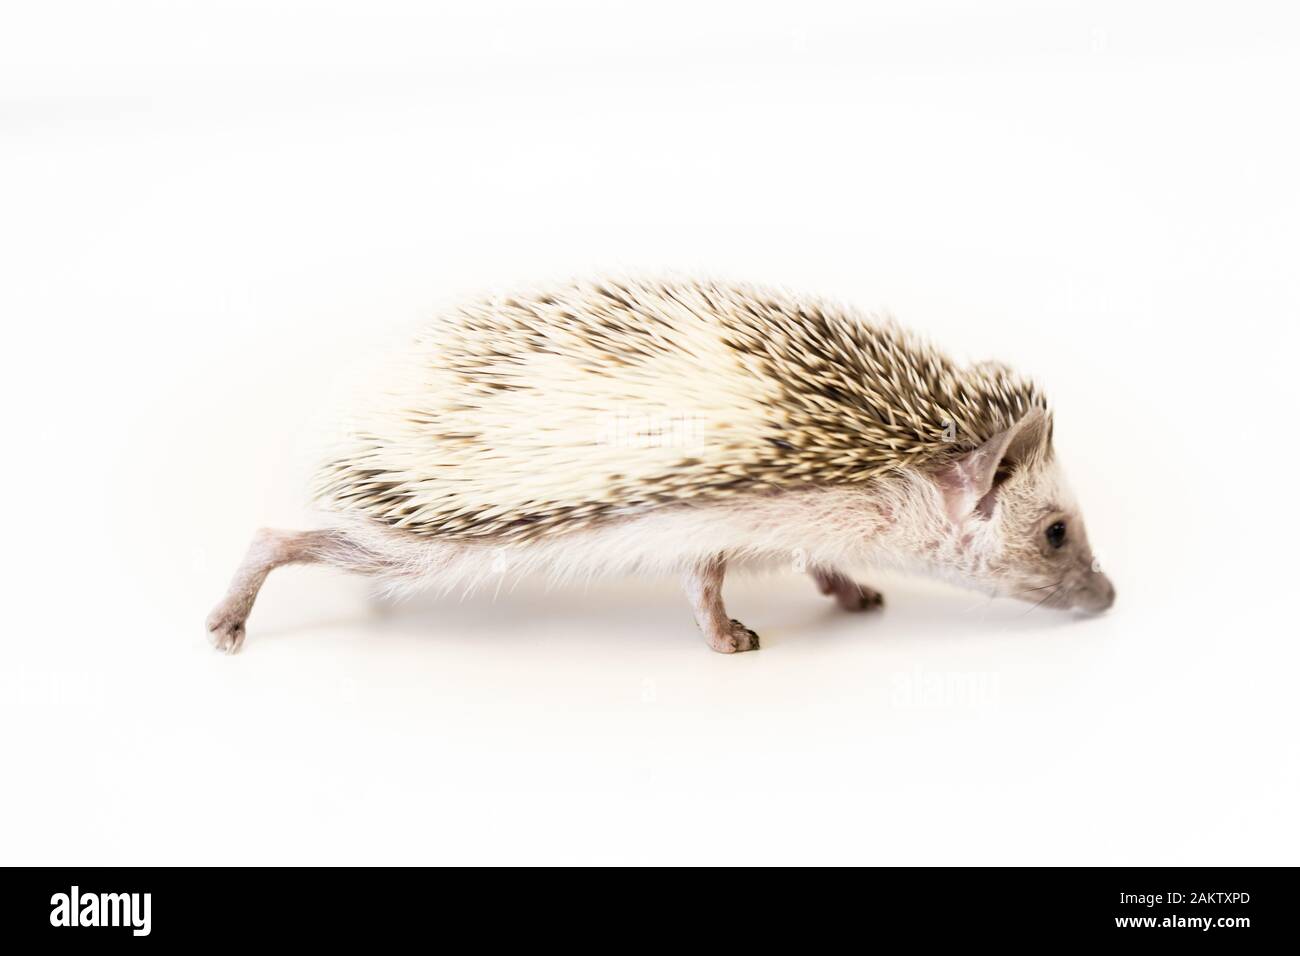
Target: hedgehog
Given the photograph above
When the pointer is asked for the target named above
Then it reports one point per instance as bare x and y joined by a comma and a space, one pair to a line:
687, 427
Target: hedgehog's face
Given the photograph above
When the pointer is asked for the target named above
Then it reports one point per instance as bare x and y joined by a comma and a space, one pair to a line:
1016, 530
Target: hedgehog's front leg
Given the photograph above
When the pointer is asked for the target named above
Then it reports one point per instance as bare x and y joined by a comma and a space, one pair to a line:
704, 589
848, 593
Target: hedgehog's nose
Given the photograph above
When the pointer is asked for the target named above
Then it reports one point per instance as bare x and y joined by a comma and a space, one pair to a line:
1099, 595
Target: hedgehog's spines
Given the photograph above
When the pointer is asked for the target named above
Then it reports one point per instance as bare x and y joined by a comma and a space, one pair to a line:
493, 427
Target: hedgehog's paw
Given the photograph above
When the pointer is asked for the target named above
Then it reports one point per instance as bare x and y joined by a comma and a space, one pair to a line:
226, 629
734, 639
848, 594
859, 597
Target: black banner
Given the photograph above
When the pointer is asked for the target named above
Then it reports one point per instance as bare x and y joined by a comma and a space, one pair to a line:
136, 907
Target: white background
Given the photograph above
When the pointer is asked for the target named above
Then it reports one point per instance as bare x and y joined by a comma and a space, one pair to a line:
209, 211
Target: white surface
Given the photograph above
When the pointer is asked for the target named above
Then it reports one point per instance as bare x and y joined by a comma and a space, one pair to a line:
207, 215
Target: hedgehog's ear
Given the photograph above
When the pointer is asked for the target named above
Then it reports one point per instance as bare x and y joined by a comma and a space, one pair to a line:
970, 483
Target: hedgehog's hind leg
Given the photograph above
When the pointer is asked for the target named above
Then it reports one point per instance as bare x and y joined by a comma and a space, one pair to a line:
272, 549
848, 594
703, 585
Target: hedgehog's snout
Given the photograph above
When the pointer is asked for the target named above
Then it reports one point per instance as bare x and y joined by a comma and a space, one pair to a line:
1094, 594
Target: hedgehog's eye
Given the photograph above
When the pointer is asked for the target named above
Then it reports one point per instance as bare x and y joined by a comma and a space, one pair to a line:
1056, 534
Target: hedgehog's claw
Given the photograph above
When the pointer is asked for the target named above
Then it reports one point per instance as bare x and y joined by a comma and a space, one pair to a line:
740, 639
